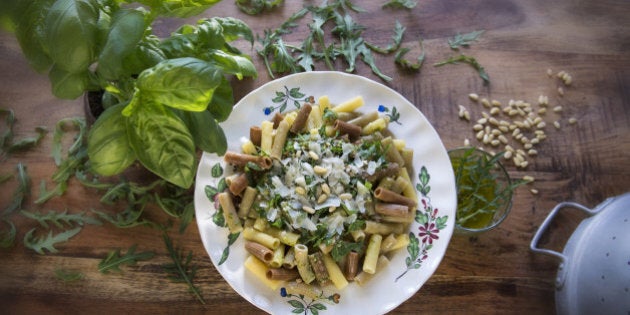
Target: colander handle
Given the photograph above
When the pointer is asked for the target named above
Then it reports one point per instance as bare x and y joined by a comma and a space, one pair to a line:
543, 227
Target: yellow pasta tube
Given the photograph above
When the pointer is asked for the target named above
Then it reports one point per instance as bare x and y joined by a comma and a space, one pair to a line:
363, 277
334, 272
349, 105
372, 253
259, 270
248, 147
288, 262
279, 140
402, 240
377, 125
302, 263
266, 139
285, 237
387, 243
229, 212
278, 257
265, 239
314, 120
373, 227
393, 155
246, 203
261, 224
324, 103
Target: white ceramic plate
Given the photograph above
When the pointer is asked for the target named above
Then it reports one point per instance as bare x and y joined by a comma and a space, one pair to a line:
409, 268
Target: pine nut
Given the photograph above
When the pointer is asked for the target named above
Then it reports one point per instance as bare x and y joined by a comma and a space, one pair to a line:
473, 97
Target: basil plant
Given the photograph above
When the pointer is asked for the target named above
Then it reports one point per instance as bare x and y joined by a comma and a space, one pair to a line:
163, 97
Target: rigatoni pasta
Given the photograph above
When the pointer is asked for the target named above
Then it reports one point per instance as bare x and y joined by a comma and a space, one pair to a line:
321, 196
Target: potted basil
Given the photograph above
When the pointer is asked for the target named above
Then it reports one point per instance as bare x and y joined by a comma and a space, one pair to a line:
163, 97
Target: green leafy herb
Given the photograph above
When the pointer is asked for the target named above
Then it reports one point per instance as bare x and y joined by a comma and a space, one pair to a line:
7, 136
254, 7
464, 40
399, 31
114, 259
61, 219
181, 270
40, 244
348, 42
342, 248
27, 142
469, 60
400, 60
68, 276
401, 4
7, 237
21, 192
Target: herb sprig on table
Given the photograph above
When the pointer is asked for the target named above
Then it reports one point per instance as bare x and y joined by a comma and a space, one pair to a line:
348, 43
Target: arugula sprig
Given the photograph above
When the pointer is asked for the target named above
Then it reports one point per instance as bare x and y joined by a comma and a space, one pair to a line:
114, 259
61, 219
348, 42
469, 60
464, 40
253, 7
181, 270
47, 243
401, 4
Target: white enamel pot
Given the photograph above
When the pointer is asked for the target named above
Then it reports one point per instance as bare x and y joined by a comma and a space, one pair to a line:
594, 272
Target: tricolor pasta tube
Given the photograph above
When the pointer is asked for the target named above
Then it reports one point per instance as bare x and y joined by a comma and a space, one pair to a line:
259, 270
371, 253
319, 268
229, 212
266, 137
279, 140
373, 227
334, 273
265, 239
300, 120
261, 252
302, 263
246, 202
282, 274
349, 105
352, 265
363, 277
278, 257
393, 197
285, 237
289, 259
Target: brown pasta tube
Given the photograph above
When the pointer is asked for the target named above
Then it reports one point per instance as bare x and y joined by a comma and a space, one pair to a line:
352, 265
282, 274
387, 195
277, 118
238, 184
259, 251
255, 134
240, 159
301, 118
391, 209
317, 263
353, 131
390, 170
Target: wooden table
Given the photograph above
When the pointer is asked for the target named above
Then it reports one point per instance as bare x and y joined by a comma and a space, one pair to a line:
491, 273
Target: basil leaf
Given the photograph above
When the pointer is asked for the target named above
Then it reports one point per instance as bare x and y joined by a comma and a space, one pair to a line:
68, 85
108, 147
182, 83
163, 144
234, 29
179, 8
146, 55
30, 27
222, 101
71, 27
127, 28
205, 130
239, 66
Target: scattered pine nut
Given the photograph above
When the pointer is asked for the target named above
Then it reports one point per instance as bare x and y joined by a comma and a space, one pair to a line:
534, 191
473, 97
560, 91
556, 124
528, 178
572, 120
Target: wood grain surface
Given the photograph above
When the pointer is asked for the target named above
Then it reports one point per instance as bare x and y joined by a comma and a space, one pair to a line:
493, 272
